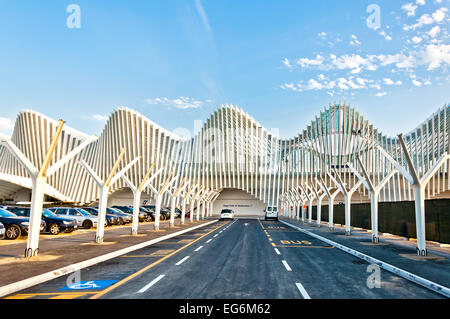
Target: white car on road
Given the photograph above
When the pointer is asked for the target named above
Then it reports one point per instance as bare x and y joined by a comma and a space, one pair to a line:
271, 212
226, 214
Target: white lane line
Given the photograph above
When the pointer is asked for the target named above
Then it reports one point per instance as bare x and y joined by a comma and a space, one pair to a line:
151, 283
208, 240
277, 251
182, 261
220, 231
199, 248
302, 291
215, 235
286, 265
384, 265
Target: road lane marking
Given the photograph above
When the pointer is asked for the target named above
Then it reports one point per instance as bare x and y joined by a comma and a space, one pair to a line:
142, 270
55, 295
215, 235
182, 261
286, 265
208, 240
300, 287
277, 251
151, 283
384, 265
199, 248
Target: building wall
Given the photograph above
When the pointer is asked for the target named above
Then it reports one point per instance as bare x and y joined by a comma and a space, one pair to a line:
241, 202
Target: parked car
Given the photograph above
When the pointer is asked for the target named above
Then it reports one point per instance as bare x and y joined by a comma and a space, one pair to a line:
54, 224
82, 217
2, 231
15, 226
150, 214
127, 218
110, 218
271, 213
143, 216
152, 208
226, 214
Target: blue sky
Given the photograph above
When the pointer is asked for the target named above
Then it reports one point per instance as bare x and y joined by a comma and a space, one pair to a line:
176, 61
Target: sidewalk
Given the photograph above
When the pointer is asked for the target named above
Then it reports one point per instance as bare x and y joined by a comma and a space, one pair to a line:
66, 249
392, 249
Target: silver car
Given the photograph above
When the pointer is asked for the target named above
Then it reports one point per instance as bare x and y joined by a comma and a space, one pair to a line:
83, 218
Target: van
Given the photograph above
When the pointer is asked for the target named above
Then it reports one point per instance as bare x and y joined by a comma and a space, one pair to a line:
271, 212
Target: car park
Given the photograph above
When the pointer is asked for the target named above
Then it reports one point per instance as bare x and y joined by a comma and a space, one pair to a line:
111, 219
2, 231
54, 224
226, 214
127, 218
152, 209
270, 212
143, 216
15, 226
82, 217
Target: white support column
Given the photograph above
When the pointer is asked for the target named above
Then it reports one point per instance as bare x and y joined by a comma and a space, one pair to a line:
103, 189
348, 197
174, 196
374, 192
185, 199
331, 197
319, 204
310, 200
419, 186
38, 178
137, 191
159, 195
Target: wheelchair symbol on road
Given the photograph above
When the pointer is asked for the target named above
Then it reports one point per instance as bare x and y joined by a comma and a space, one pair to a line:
90, 285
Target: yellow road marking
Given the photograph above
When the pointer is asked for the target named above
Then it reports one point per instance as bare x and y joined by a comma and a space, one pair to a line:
292, 246
159, 253
137, 273
56, 295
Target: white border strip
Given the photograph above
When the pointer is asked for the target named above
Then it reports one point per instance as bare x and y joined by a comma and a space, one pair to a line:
36, 280
395, 270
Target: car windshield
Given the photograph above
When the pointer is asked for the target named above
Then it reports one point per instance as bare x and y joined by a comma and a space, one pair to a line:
5, 213
226, 211
83, 212
47, 213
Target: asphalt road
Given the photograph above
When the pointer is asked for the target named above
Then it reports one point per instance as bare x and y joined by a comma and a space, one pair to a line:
244, 258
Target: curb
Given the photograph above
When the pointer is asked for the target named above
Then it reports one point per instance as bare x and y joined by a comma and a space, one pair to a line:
32, 281
395, 270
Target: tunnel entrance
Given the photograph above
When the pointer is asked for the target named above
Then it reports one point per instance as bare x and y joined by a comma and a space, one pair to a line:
242, 203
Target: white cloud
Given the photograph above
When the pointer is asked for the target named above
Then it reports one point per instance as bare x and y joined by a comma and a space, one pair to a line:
354, 41
420, 2
410, 9
416, 83
310, 62
6, 126
99, 117
417, 39
434, 31
286, 62
180, 103
436, 17
385, 35
389, 81
322, 35
435, 55
381, 94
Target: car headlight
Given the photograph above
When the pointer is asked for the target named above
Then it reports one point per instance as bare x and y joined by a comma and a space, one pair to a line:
67, 223
25, 224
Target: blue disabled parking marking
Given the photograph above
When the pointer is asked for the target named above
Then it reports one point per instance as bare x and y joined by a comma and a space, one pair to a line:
89, 285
